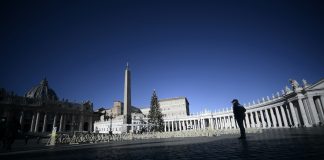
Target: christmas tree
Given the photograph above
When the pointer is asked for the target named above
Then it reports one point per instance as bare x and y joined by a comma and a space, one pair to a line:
155, 115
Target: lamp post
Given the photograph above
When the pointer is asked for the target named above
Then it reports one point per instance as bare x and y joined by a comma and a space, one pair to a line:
110, 117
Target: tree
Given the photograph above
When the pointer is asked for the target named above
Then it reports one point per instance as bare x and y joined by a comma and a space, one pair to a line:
155, 117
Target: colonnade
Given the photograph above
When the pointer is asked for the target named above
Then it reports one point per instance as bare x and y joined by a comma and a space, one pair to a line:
281, 112
40, 122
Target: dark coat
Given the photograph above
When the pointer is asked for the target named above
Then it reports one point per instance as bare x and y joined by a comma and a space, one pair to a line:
239, 111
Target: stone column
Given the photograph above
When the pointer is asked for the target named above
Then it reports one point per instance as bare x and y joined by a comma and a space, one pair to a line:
185, 125
44, 122
225, 123
172, 126
188, 124
273, 118
284, 119
32, 124
262, 119
308, 111
319, 109
294, 116
268, 118
21, 119
177, 125
217, 123
289, 116
252, 120
221, 123
303, 113
164, 126
61, 123
313, 110
191, 124
247, 120
277, 115
90, 124
236, 126
233, 122
257, 119
73, 123
169, 126
64, 122
322, 103
81, 123
182, 126
228, 122
54, 121
36, 122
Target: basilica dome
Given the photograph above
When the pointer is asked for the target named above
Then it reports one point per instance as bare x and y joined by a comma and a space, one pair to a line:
42, 91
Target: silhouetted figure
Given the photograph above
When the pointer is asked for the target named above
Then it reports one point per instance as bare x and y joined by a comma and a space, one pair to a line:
38, 139
3, 123
11, 133
239, 114
26, 139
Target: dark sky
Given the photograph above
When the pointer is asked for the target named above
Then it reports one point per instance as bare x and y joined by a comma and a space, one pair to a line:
207, 51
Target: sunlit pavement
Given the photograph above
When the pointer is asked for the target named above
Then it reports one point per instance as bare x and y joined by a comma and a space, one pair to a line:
303, 143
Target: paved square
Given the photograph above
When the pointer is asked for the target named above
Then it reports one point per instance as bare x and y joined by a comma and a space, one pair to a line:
303, 143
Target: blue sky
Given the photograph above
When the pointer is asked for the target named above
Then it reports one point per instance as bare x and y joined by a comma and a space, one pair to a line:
207, 51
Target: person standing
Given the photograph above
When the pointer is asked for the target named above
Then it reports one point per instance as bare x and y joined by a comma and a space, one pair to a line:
3, 127
239, 115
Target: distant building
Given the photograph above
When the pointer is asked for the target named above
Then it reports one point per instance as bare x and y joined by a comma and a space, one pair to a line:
172, 107
40, 110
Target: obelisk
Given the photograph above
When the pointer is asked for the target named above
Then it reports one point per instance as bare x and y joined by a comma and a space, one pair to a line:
127, 100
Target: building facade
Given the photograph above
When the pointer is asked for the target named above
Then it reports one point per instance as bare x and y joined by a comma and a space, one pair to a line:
298, 106
40, 110
171, 107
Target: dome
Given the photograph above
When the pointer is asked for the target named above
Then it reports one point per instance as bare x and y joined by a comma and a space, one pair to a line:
42, 91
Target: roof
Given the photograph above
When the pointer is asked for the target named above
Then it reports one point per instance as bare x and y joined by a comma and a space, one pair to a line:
175, 98
42, 91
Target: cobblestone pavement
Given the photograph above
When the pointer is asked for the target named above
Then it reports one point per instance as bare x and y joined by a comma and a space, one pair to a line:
304, 143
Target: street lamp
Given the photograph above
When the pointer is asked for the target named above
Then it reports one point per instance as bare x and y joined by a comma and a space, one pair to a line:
110, 117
